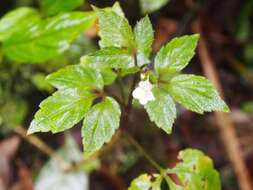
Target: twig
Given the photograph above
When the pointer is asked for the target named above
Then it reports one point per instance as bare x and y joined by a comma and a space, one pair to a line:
42, 146
144, 153
227, 129
130, 97
102, 151
121, 87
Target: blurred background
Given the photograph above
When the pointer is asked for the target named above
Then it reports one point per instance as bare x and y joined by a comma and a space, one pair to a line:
225, 56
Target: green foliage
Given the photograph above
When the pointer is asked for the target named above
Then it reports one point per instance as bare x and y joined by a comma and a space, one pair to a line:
176, 54
76, 76
100, 124
144, 36
148, 6
196, 93
82, 91
61, 111
111, 57
124, 52
115, 30
195, 172
162, 110
16, 19
59, 6
44, 39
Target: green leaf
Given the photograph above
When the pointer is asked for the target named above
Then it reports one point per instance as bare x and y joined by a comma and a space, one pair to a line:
59, 6
176, 54
144, 37
76, 76
115, 30
196, 93
61, 111
39, 80
53, 177
100, 124
48, 38
172, 184
108, 76
196, 171
148, 6
117, 9
156, 184
111, 57
162, 110
143, 182
16, 19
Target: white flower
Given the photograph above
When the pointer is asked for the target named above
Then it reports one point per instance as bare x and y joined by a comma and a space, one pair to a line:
144, 92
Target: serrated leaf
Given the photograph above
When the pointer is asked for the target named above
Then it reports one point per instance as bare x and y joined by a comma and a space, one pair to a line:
61, 111
59, 6
196, 171
148, 6
16, 19
196, 93
162, 110
76, 76
108, 76
48, 38
156, 184
172, 184
111, 57
144, 37
114, 30
53, 177
143, 182
176, 54
100, 124
117, 9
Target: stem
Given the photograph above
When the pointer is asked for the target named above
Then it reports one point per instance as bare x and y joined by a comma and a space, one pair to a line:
130, 97
107, 148
42, 146
121, 87
144, 153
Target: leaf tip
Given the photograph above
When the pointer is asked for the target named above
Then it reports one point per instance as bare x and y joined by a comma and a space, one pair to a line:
226, 109
30, 131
